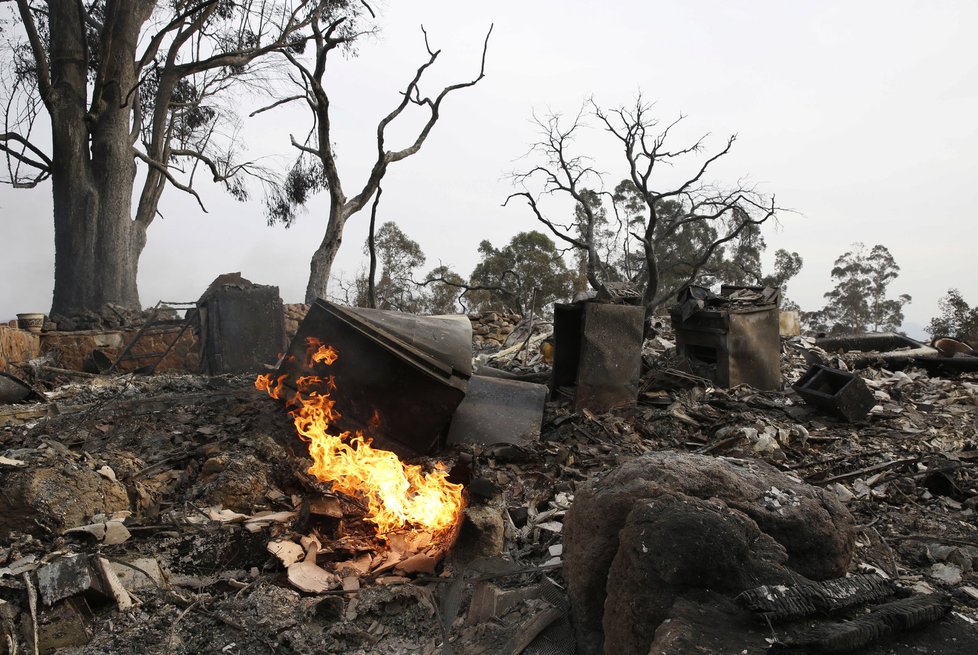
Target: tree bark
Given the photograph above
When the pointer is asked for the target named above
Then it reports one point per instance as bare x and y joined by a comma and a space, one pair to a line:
73, 189
97, 245
322, 259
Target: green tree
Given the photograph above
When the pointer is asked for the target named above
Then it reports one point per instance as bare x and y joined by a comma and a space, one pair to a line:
884, 314
446, 290
399, 257
957, 319
740, 260
678, 251
858, 302
527, 273
786, 266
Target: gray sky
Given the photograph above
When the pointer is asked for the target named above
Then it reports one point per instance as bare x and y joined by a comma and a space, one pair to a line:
860, 116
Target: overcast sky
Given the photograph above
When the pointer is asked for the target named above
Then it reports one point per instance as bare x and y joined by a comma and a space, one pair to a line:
859, 116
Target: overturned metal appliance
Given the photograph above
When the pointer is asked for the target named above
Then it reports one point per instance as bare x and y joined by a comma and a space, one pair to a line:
401, 376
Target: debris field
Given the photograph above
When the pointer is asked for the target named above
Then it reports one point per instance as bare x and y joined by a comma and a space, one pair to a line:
176, 514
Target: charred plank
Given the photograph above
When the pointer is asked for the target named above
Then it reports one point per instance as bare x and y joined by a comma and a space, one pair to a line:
779, 602
885, 620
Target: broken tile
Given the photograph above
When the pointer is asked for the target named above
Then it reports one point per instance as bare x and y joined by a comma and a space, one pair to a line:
113, 586
288, 552
307, 576
420, 563
109, 532
310, 578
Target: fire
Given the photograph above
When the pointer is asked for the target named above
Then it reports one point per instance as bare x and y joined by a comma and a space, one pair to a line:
397, 495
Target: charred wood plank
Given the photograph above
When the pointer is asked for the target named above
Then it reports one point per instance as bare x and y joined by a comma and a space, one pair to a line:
889, 619
779, 602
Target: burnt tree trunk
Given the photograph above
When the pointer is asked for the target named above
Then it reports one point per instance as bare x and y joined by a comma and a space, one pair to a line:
97, 244
322, 260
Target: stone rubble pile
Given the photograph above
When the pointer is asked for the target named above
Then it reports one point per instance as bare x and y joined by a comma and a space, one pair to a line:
491, 329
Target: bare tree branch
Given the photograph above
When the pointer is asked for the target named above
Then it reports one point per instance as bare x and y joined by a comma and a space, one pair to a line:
656, 217
165, 171
326, 37
153, 47
37, 49
42, 163
531, 201
277, 103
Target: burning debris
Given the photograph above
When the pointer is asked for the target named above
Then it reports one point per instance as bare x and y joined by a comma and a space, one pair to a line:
399, 499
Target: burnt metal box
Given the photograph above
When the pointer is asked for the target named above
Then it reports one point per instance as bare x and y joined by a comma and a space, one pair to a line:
398, 377
736, 344
243, 329
598, 353
835, 392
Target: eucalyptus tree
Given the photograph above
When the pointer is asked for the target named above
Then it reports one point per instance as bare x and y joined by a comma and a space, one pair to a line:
317, 166
114, 101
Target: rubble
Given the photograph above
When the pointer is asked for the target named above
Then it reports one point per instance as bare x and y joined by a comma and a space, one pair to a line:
492, 330
223, 508
57, 496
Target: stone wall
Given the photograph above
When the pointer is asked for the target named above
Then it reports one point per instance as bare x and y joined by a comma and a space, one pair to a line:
71, 348
293, 316
17, 346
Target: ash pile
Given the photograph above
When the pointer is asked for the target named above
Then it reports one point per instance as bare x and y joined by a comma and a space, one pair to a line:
609, 491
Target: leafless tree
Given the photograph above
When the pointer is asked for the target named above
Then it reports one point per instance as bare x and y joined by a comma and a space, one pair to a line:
132, 88
561, 172
729, 211
318, 147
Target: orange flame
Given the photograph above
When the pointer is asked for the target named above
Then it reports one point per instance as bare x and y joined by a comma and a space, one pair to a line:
397, 495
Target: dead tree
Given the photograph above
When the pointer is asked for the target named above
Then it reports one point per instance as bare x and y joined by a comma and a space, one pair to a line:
328, 36
561, 172
132, 88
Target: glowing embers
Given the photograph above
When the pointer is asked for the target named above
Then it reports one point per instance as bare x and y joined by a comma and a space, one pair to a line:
396, 495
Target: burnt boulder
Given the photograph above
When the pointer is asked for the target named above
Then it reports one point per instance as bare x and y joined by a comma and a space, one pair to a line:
661, 525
